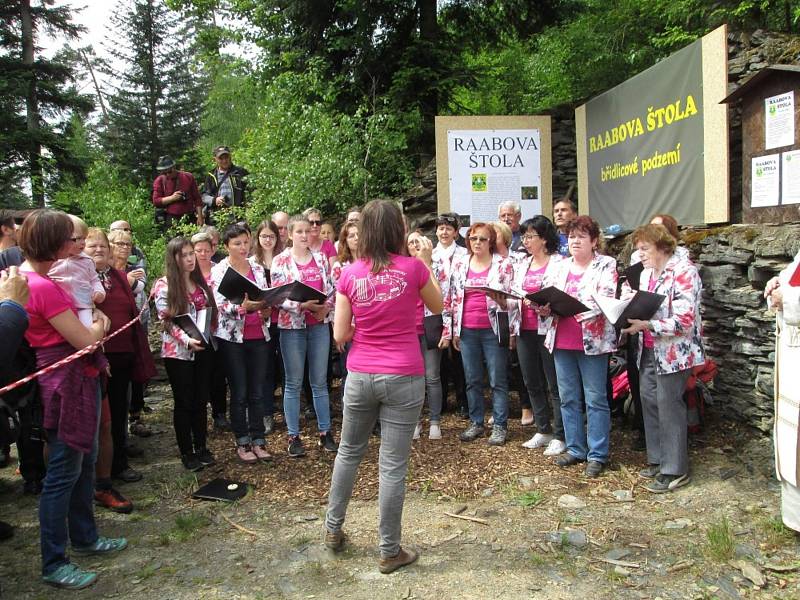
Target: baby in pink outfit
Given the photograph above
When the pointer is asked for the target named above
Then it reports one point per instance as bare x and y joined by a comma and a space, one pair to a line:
77, 275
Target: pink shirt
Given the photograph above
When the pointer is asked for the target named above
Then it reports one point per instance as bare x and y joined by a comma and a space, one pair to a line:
569, 335
476, 313
384, 307
328, 249
420, 317
47, 300
531, 283
252, 321
312, 277
198, 298
647, 337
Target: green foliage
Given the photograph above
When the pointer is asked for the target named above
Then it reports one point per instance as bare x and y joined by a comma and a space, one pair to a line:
301, 151
106, 197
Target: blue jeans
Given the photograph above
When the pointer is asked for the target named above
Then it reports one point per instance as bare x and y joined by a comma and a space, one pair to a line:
578, 371
66, 506
245, 364
297, 345
479, 347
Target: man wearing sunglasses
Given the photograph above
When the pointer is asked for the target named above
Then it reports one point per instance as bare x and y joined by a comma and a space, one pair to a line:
175, 193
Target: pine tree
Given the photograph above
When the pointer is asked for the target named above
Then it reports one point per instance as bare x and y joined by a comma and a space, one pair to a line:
37, 97
158, 95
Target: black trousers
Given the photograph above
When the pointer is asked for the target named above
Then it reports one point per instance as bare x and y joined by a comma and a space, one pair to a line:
631, 352
190, 381
118, 384
452, 369
218, 397
30, 445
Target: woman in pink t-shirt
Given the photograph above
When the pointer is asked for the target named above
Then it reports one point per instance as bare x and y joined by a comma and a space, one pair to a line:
243, 334
540, 239
376, 306
581, 345
70, 397
477, 323
305, 335
316, 243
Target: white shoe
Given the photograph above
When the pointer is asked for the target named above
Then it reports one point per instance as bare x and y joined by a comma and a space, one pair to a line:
555, 447
435, 432
539, 440
491, 421
416, 432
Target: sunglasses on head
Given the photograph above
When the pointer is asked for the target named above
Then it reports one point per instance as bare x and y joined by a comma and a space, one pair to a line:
452, 221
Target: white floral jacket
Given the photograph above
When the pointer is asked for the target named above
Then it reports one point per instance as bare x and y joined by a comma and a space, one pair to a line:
501, 277
677, 326
284, 270
230, 322
599, 279
521, 269
174, 340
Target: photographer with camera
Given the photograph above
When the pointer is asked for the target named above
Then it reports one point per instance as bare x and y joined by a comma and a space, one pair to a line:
175, 195
225, 185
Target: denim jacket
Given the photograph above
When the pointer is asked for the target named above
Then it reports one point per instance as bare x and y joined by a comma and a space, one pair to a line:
521, 269
174, 340
230, 322
284, 270
600, 278
501, 277
677, 326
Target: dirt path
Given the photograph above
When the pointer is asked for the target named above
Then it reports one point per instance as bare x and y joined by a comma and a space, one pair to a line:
701, 542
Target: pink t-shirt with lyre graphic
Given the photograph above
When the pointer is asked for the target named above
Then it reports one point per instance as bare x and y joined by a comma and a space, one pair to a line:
385, 308
476, 313
311, 275
569, 335
532, 283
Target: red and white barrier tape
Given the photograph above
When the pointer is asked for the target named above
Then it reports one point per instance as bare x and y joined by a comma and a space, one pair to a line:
74, 356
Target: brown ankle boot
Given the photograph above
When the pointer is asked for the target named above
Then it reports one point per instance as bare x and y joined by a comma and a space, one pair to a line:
403, 558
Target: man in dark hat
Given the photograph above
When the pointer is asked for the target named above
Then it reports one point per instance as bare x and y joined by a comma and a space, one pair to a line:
225, 184
176, 193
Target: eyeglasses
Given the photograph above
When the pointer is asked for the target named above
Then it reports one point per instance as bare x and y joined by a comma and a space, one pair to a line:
120, 244
268, 237
477, 238
314, 223
530, 236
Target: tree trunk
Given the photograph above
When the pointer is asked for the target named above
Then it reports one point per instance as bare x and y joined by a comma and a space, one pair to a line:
32, 107
152, 89
428, 32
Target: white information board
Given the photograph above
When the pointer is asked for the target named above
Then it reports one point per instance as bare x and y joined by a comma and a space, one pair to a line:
765, 180
490, 166
779, 116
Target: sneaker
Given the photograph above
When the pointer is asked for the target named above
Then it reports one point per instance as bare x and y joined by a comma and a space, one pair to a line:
417, 429
327, 443
335, 540
128, 475
269, 424
491, 421
246, 454
650, 471
70, 577
555, 447
403, 558
498, 437
594, 468
102, 545
113, 500
205, 457
435, 432
221, 423
296, 449
667, 483
471, 433
261, 452
191, 462
539, 440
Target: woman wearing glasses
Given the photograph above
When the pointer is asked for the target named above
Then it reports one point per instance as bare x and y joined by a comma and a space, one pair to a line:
268, 246
581, 345
540, 239
448, 252
477, 323
316, 243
